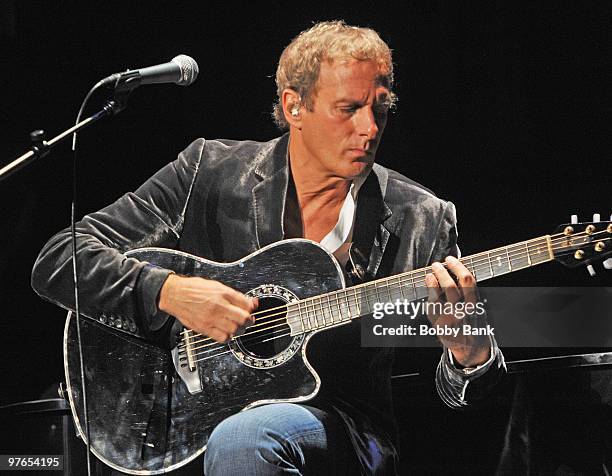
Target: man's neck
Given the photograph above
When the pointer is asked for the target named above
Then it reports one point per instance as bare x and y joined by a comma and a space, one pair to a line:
319, 194
314, 184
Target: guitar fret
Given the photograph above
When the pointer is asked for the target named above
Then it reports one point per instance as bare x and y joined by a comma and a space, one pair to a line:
499, 262
376, 291
348, 306
308, 323
389, 287
316, 301
323, 311
540, 255
313, 316
357, 304
309, 314
367, 296
516, 263
508, 257
331, 311
528, 256
522, 258
414, 289
306, 316
301, 317
549, 247
337, 306
471, 267
400, 287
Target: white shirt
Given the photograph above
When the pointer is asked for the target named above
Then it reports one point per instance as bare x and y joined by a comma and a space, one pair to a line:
338, 241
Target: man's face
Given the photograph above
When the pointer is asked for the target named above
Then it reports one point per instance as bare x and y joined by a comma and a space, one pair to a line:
349, 113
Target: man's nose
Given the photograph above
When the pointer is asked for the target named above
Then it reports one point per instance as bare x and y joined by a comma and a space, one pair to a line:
367, 125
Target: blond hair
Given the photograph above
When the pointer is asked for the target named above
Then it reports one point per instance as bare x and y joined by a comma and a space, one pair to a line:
300, 62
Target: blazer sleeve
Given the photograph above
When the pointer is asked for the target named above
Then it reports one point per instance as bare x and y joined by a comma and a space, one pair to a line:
457, 387
112, 287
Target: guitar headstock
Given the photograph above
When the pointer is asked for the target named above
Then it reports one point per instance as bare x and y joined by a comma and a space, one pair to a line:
576, 244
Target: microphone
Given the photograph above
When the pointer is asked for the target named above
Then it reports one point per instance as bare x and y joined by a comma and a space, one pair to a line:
182, 70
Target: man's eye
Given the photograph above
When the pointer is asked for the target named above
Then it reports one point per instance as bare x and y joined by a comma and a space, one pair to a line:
379, 110
349, 109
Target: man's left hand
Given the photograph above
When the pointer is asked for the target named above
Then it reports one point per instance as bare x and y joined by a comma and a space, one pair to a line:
468, 350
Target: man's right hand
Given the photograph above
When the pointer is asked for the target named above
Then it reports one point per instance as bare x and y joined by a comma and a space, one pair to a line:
206, 306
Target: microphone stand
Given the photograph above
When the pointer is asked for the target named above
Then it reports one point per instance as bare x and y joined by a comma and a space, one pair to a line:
123, 86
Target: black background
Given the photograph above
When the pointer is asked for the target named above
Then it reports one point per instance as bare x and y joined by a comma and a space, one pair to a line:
503, 108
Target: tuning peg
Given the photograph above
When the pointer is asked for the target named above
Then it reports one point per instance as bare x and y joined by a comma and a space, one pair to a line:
574, 219
591, 270
596, 217
608, 263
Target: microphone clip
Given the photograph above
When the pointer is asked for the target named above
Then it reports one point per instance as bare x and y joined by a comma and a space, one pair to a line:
123, 84
127, 81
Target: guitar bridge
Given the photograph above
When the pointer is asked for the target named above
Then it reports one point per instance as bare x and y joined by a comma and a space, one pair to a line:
188, 350
185, 363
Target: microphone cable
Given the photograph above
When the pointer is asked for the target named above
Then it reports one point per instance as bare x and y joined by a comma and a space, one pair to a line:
75, 275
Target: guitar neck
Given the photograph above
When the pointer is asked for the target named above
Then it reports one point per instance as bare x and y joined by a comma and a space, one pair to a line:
338, 307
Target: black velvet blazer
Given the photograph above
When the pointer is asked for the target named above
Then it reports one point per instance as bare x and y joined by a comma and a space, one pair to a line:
224, 199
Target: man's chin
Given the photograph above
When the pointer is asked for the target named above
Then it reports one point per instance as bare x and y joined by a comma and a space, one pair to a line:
360, 168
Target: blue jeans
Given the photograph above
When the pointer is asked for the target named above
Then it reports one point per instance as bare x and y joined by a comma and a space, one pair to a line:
280, 439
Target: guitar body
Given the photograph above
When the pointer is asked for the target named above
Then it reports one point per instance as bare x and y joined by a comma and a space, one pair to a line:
147, 413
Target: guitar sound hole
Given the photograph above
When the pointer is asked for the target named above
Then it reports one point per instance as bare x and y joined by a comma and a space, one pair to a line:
270, 335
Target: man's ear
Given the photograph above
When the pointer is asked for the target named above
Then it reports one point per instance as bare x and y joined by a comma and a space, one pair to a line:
292, 107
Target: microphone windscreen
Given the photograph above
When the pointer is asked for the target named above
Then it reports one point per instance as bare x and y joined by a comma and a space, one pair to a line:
189, 69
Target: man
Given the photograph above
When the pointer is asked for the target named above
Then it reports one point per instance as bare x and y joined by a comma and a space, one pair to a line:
225, 199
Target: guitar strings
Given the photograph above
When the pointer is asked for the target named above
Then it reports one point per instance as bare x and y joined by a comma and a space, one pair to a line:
399, 280
252, 340
522, 244
260, 320
473, 262
476, 264
223, 346
316, 320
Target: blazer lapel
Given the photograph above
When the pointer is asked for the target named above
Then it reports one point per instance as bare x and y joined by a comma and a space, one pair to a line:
371, 235
270, 193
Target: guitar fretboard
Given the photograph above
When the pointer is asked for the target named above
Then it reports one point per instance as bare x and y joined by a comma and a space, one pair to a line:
339, 307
